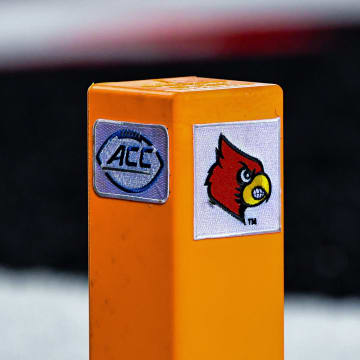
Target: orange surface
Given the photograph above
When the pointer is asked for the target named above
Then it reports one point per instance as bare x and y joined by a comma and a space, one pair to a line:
155, 293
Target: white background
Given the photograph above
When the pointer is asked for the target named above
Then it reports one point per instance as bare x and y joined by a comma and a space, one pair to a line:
261, 139
44, 316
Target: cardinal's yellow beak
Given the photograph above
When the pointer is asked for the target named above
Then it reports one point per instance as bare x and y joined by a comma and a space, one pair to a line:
257, 191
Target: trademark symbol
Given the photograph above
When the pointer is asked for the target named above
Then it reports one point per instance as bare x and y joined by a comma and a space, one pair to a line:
252, 221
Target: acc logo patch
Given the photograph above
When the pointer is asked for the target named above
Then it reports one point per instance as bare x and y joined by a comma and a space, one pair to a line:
130, 159
236, 178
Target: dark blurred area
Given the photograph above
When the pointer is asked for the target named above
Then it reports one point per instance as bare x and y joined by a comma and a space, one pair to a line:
44, 186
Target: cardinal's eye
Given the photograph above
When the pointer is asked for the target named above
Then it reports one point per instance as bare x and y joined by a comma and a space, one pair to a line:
244, 175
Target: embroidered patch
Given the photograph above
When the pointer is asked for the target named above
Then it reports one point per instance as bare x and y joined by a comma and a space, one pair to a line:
237, 178
131, 161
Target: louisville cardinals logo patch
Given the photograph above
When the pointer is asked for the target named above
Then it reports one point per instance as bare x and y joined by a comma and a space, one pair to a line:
237, 180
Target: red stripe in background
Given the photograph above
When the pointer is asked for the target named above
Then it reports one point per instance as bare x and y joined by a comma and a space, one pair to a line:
110, 48
278, 42
250, 43
223, 36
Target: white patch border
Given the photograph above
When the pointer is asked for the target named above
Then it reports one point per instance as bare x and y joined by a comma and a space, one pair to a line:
135, 125
236, 234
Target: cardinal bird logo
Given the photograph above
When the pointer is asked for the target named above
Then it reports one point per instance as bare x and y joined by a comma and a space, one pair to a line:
236, 180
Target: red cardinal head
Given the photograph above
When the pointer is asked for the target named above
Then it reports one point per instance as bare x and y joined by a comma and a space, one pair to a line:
236, 180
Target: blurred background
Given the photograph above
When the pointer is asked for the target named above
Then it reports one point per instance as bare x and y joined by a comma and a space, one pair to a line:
50, 52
